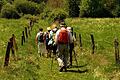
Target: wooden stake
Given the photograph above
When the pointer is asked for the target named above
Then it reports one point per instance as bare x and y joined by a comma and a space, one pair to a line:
116, 43
80, 39
93, 43
26, 32
23, 36
7, 54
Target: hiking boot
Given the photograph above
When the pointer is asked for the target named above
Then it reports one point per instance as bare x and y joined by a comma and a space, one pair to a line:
61, 69
40, 54
65, 69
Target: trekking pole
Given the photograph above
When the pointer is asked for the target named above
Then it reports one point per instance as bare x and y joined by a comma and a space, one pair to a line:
75, 58
51, 61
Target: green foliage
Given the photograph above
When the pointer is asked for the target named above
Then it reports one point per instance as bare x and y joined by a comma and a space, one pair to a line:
91, 8
1, 4
58, 14
38, 1
28, 7
9, 11
111, 6
45, 14
99, 8
118, 10
73, 8
53, 4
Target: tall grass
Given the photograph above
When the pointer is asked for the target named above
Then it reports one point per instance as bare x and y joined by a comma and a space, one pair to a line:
29, 66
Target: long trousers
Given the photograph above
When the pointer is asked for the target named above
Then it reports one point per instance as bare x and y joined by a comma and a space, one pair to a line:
63, 51
70, 51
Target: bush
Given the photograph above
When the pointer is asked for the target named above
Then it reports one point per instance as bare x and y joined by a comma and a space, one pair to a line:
28, 7
58, 14
1, 4
45, 13
74, 8
37, 1
9, 11
93, 8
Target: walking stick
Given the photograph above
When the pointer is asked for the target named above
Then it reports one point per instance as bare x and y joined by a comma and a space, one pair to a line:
51, 60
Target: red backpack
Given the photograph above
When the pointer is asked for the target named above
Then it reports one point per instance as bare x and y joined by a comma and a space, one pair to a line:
63, 36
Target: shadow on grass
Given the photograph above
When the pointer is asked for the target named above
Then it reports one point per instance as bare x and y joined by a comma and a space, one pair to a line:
75, 66
77, 71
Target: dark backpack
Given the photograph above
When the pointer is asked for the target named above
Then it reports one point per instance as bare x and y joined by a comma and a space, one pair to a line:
46, 38
40, 37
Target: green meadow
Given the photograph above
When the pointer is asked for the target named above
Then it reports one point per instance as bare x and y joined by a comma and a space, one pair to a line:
30, 66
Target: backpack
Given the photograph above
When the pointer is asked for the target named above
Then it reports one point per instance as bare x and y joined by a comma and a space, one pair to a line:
63, 36
52, 39
46, 38
40, 37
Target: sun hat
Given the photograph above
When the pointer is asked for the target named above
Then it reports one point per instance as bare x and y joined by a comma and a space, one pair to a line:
48, 28
69, 29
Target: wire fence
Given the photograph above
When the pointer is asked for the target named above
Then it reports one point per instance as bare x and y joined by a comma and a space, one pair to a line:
12, 45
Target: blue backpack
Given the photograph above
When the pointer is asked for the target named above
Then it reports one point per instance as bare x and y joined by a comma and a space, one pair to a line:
47, 38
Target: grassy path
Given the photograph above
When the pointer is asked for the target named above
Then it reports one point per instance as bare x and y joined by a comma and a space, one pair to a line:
29, 66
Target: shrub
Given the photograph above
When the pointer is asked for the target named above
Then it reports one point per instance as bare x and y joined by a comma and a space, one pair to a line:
93, 8
9, 11
37, 1
28, 7
45, 13
73, 8
58, 14
1, 4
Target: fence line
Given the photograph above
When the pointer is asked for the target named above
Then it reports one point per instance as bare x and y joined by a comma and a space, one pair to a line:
12, 45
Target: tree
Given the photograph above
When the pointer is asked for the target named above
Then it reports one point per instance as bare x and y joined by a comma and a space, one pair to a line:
9, 11
28, 7
94, 8
73, 6
111, 6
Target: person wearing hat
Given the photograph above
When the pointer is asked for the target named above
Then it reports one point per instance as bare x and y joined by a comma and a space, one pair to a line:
52, 40
40, 41
71, 44
62, 39
46, 40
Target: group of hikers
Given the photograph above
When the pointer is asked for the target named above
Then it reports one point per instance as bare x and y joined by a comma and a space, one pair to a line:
58, 42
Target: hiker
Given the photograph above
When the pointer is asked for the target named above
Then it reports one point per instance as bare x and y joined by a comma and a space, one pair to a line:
71, 44
51, 42
62, 39
40, 41
46, 40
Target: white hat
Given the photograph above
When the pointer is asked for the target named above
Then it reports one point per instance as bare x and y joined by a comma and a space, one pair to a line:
69, 29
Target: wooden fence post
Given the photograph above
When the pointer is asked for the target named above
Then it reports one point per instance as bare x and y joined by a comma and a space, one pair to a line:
29, 31
14, 42
26, 32
23, 36
116, 43
22, 39
7, 54
80, 39
12, 39
75, 34
93, 43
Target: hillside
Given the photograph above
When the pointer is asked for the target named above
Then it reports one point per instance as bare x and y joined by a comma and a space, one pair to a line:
29, 66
